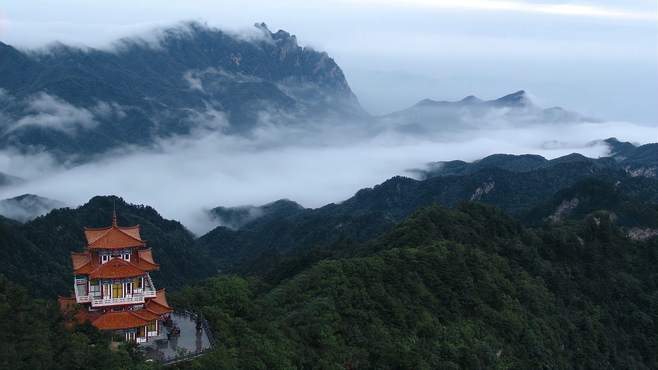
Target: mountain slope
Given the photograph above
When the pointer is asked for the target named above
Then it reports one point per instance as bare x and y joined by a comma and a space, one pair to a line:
527, 182
37, 253
82, 101
27, 206
632, 203
516, 109
463, 288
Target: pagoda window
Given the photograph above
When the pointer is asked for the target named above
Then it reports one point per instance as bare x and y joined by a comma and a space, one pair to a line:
130, 335
153, 327
137, 283
94, 287
117, 290
105, 258
106, 290
126, 256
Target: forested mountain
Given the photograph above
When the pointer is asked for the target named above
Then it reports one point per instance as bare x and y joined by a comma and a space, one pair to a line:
237, 217
37, 254
515, 184
463, 288
567, 188
79, 101
636, 160
632, 203
343, 287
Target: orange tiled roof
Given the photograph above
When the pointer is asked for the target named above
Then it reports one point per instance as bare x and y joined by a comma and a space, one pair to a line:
80, 259
146, 255
86, 264
83, 263
125, 319
113, 237
158, 305
119, 320
116, 268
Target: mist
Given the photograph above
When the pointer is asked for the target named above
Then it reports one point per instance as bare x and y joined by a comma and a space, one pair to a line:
182, 177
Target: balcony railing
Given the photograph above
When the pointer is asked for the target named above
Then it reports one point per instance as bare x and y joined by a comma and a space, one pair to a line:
80, 290
96, 300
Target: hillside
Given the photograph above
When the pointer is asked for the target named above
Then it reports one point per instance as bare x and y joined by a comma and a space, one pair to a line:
463, 288
375, 283
37, 253
174, 81
515, 184
638, 161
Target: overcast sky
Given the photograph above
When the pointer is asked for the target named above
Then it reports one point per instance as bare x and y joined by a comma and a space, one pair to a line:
597, 58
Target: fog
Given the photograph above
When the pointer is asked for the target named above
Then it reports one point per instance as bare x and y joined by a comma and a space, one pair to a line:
181, 177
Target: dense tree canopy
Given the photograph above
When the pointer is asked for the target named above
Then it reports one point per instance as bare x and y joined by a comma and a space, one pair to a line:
464, 288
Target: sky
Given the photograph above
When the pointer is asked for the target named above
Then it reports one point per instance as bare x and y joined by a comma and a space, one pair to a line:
598, 58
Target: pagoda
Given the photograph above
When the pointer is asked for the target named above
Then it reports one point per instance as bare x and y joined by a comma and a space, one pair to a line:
112, 286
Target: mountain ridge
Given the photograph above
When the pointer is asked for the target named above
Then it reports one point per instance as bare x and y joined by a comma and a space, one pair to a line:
74, 101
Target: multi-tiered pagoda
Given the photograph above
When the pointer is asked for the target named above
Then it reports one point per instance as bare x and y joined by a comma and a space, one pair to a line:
112, 285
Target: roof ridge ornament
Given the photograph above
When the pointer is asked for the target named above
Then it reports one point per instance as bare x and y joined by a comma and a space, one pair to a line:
114, 213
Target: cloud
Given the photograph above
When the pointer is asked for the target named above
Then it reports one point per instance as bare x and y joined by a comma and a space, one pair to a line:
109, 110
51, 112
605, 61
312, 164
561, 9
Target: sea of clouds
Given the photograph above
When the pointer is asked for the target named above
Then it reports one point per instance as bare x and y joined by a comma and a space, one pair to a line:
184, 176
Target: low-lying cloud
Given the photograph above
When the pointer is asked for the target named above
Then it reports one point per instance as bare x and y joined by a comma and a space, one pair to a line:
45, 110
183, 176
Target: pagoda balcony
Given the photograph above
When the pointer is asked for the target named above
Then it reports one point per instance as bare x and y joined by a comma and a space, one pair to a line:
138, 295
135, 298
99, 301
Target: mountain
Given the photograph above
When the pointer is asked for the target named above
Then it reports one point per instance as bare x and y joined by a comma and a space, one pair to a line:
639, 161
37, 253
632, 203
636, 160
515, 184
177, 80
445, 289
237, 217
27, 206
516, 109
386, 279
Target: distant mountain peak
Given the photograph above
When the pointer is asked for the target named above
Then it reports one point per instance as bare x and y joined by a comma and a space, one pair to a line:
518, 98
26, 207
471, 99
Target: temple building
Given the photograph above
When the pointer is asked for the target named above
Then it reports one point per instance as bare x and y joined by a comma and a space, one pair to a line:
112, 286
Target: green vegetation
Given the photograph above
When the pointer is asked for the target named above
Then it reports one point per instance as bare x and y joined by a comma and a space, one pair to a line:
340, 287
33, 336
37, 255
463, 288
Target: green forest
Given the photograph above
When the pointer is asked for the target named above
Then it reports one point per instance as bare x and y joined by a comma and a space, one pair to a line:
447, 289
369, 283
